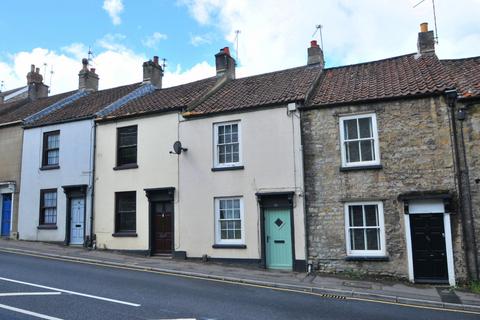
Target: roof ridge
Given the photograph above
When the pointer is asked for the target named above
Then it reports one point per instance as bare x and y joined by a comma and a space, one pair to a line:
370, 62
144, 89
55, 106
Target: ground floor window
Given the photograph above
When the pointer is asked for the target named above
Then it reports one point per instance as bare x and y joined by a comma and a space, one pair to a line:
48, 207
364, 229
126, 212
229, 221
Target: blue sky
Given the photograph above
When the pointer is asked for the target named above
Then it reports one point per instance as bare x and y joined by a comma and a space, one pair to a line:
274, 35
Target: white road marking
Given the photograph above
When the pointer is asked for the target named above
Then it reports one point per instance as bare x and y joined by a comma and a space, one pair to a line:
12, 294
72, 292
30, 313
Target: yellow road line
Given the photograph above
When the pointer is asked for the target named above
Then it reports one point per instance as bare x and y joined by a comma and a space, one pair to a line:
323, 295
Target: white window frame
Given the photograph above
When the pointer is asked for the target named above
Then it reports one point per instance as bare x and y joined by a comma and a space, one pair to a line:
218, 237
375, 140
365, 253
216, 164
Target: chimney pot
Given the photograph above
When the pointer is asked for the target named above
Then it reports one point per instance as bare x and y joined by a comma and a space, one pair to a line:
225, 64
87, 79
153, 72
315, 54
426, 40
424, 27
36, 87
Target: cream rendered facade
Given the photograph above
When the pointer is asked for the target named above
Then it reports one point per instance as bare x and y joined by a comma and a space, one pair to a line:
272, 161
157, 168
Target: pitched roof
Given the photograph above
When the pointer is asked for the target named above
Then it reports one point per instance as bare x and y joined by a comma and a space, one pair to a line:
8, 92
85, 107
165, 99
466, 74
402, 76
260, 90
19, 110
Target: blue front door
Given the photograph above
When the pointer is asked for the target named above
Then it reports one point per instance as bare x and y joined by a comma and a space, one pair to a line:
6, 214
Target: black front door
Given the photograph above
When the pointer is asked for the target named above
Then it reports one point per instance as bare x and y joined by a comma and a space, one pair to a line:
162, 227
428, 248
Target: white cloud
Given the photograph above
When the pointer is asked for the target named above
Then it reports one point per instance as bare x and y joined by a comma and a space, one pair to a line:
113, 8
275, 34
199, 71
201, 39
152, 41
112, 42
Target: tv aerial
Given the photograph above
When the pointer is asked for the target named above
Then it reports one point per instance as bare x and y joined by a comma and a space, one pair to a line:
434, 18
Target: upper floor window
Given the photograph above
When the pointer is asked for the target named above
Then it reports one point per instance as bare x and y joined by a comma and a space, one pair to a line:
359, 140
227, 140
48, 207
51, 149
364, 228
127, 146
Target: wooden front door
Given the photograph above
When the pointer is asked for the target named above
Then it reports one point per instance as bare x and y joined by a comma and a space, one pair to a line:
428, 248
278, 239
162, 227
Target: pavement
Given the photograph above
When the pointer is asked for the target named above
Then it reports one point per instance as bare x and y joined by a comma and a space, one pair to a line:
436, 297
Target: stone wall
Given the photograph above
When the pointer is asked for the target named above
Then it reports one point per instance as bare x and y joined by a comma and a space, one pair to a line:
416, 155
471, 137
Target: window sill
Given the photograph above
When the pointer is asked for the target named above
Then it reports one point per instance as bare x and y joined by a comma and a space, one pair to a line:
367, 258
124, 234
228, 168
126, 166
47, 227
51, 167
358, 168
229, 246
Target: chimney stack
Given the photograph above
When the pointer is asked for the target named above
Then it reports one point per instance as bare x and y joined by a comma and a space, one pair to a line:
87, 79
36, 87
153, 72
426, 40
315, 54
225, 64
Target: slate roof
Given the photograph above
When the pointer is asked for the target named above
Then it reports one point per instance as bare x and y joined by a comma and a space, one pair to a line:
402, 76
19, 110
8, 92
85, 107
466, 74
267, 89
165, 99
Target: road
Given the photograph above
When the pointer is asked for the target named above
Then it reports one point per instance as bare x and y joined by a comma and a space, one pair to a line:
39, 288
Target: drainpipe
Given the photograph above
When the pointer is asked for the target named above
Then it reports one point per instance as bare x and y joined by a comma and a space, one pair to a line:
92, 190
462, 177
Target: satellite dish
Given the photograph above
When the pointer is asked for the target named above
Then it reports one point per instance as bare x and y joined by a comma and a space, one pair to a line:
177, 147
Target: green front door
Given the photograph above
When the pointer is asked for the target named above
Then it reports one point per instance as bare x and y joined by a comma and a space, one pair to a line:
278, 239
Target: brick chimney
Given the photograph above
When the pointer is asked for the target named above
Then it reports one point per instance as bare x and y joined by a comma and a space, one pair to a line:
87, 78
36, 87
315, 54
153, 72
225, 64
426, 40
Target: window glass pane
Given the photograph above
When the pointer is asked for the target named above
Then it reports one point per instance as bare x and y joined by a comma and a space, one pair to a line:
353, 152
238, 234
52, 157
356, 216
53, 141
367, 150
228, 138
127, 136
221, 139
234, 128
373, 239
365, 125
127, 155
358, 241
50, 216
221, 130
371, 215
350, 129
229, 223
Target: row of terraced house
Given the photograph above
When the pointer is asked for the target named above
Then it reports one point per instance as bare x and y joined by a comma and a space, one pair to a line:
371, 168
